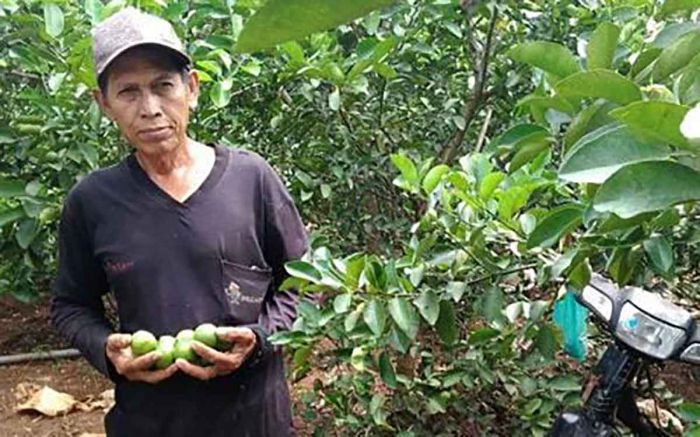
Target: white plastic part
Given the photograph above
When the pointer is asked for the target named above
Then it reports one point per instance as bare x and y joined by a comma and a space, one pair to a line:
691, 354
599, 302
647, 334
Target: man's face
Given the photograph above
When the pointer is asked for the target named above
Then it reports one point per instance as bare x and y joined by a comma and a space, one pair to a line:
150, 103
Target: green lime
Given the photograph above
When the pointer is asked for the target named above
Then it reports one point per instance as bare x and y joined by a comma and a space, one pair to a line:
143, 342
183, 349
166, 349
185, 334
206, 333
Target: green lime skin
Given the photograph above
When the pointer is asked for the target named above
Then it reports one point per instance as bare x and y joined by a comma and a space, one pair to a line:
166, 349
143, 342
185, 334
183, 349
206, 333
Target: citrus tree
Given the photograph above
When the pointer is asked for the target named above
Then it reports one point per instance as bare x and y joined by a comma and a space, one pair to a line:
460, 163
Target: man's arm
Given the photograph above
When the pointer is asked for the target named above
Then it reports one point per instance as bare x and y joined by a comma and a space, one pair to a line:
77, 310
285, 239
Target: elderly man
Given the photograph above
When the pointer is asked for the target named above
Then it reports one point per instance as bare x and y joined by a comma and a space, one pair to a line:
182, 233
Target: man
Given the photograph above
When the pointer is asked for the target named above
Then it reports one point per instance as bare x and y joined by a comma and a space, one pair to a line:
182, 233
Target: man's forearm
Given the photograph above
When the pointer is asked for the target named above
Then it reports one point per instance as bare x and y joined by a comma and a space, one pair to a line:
86, 328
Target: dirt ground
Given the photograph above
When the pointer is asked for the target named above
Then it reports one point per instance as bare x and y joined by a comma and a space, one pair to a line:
25, 328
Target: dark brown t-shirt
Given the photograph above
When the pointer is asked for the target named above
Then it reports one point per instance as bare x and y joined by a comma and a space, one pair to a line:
216, 257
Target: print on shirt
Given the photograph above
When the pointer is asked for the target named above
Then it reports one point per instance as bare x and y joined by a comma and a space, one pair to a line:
114, 267
235, 297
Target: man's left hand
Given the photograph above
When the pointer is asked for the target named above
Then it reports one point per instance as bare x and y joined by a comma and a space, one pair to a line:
243, 342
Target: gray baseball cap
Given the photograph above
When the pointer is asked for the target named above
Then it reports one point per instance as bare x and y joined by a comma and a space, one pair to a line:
129, 28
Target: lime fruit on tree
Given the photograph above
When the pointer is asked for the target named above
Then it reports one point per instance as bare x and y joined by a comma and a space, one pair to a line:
143, 342
206, 333
166, 349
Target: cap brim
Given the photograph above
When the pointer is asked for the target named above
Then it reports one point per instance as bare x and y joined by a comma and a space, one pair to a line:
183, 56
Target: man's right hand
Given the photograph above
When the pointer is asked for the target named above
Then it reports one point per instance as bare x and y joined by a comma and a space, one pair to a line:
118, 350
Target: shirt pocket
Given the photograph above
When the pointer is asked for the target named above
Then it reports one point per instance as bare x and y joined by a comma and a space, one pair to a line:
244, 290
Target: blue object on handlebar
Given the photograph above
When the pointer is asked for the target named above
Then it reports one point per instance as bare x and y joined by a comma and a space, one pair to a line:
572, 317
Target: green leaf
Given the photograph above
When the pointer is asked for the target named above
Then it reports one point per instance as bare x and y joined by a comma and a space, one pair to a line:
53, 19
483, 335
532, 406
643, 61
546, 341
11, 188
676, 56
26, 232
672, 6
301, 356
357, 358
304, 270
689, 411
590, 118
341, 303
528, 150
601, 48
386, 371
375, 316
672, 32
658, 121
284, 20
433, 178
405, 316
516, 135
660, 253
511, 200
399, 340
94, 10
554, 225
596, 156
493, 304
565, 383
406, 167
446, 325
456, 290
11, 216
600, 83
551, 57
220, 94
490, 183
647, 186
428, 304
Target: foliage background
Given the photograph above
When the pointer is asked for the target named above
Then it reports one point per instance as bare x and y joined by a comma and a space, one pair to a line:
458, 162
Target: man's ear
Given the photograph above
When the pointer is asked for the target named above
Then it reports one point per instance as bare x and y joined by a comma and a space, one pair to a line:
102, 103
192, 88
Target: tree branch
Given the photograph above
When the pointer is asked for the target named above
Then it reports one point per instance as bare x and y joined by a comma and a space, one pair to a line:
473, 104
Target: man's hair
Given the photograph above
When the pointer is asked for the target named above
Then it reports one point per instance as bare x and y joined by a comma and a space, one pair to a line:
170, 62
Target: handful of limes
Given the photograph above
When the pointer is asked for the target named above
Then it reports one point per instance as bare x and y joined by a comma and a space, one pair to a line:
171, 348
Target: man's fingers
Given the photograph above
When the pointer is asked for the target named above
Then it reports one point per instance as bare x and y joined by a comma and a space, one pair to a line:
155, 376
209, 354
116, 342
144, 362
203, 373
233, 335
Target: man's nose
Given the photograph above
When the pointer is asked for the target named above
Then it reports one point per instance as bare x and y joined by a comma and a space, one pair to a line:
150, 106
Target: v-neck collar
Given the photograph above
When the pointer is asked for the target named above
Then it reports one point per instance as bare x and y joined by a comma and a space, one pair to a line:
145, 181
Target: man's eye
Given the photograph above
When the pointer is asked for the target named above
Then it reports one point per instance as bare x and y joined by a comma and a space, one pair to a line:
165, 84
127, 91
